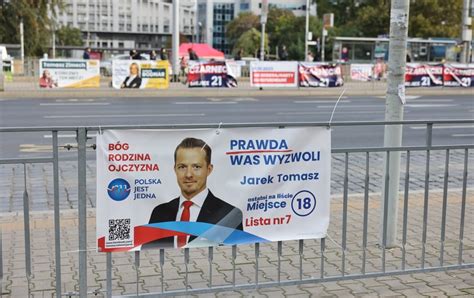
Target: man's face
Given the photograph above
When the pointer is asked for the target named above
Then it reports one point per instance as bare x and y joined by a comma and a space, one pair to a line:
191, 171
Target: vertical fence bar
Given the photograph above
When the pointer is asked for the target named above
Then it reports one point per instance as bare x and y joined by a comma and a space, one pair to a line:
82, 209
108, 268
445, 203
279, 252
26, 222
162, 264
463, 208
257, 255
323, 248
137, 268
429, 138
344, 213
385, 210
186, 263
366, 211
405, 210
57, 224
234, 256
1, 262
211, 258
300, 249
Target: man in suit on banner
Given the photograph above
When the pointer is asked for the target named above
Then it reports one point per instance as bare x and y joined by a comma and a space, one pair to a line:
196, 203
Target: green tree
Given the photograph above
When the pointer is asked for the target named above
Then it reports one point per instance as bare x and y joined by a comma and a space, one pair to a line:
37, 18
68, 36
281, 26
238, 26
428, 18
249, 42
435, 18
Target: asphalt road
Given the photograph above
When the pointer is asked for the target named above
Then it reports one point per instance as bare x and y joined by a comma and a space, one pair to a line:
134, 111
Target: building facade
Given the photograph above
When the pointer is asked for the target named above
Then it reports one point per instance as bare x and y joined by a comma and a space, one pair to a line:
214, 15
140, 24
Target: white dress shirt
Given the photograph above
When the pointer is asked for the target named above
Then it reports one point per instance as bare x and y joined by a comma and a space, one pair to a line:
198, 201
130, 80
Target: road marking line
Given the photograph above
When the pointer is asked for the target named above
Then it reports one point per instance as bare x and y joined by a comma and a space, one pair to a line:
421, 105
122, 116
76, 104
215, 99
75, 100
318, 101
204, 102
443, 127
323, 113
68, 136
352, 107
433, 100
408, 97
462, 135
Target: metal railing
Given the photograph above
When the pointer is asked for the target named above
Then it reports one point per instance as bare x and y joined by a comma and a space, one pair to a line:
389, 262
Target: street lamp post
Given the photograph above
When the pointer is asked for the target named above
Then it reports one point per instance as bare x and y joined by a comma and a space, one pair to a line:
306, 32
198, 33
175, 40
263, 21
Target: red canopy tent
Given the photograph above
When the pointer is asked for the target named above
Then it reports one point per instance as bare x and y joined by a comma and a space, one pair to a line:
203, 50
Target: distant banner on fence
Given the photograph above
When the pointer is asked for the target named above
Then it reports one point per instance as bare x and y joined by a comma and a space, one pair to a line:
273, 73
164, 188
235, 67
214, 74
312, 74
140, 74
64, 73
362, 72
458, 75
423, 75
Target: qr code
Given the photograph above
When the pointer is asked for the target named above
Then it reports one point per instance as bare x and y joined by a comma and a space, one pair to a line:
119, 229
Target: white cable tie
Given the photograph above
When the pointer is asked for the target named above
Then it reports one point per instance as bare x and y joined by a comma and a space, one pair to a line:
218, 131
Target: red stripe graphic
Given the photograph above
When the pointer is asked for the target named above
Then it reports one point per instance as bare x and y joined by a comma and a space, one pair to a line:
257, 151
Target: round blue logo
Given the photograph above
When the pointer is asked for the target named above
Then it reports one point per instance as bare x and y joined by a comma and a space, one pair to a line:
118, 189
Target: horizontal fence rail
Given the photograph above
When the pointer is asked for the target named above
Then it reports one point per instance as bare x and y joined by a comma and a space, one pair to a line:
433, 237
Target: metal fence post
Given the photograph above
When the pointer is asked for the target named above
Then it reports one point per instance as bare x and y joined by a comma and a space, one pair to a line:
57, 226
26, 222
82, 210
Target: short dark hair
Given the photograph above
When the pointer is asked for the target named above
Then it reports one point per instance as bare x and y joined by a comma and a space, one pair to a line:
189, 143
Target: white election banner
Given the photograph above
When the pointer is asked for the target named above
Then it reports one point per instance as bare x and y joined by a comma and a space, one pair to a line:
65, 73
362, 72
140, 74
273, 73
229, 186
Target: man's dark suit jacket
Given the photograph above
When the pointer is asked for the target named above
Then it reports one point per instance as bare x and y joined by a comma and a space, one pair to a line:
213, 211
135, 83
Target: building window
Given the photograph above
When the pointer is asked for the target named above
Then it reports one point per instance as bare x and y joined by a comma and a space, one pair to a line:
244, 6
120, 44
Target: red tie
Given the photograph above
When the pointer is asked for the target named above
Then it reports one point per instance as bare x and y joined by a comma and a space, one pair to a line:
184, 217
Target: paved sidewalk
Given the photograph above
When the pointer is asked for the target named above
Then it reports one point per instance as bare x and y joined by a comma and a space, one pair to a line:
26, 87
435, 284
